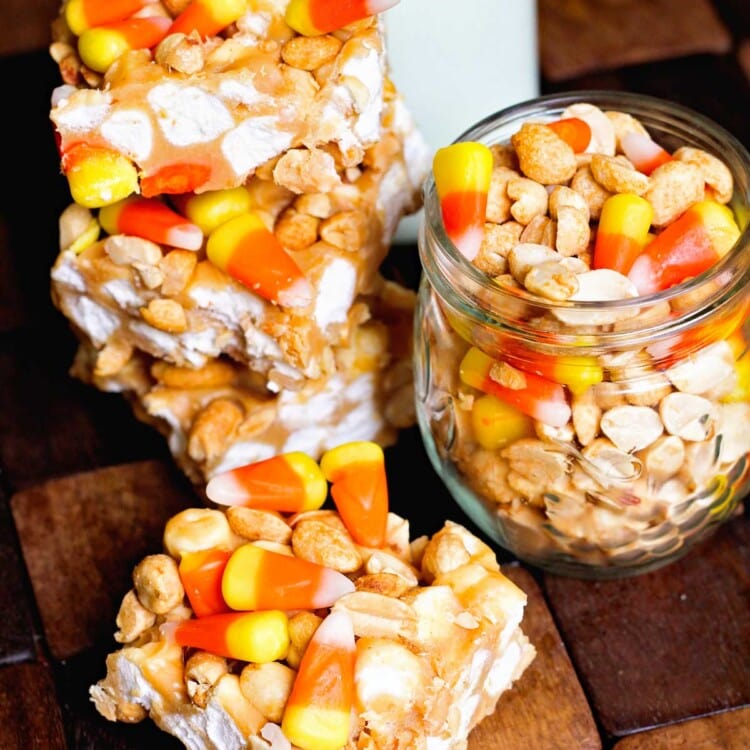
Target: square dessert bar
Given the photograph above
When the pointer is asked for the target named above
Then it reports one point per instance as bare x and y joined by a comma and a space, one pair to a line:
425, 634
203, 112
222, 415
125, 292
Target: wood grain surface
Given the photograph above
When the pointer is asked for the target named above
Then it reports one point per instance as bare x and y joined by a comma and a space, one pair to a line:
580, 36
547, 710
17, 620
81, 537
679, 622
29, 713
659, 662
729, 730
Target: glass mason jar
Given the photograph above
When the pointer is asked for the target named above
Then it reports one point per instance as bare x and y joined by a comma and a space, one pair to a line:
614, 490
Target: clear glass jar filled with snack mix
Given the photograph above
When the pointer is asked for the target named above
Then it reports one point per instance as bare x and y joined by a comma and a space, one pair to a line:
581, 352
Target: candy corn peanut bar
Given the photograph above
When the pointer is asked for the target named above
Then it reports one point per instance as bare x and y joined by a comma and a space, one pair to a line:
160, 101
172, 294
221, 415
327, 643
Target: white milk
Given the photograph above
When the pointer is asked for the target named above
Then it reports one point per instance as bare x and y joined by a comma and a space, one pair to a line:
457, 62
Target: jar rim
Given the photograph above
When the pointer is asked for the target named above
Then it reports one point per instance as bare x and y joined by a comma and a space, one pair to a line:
733, 267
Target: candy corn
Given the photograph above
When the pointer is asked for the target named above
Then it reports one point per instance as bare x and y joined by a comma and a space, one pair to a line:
575, 372
256, 578
314, 17
175, 178
462, 174
574, 131
101, 46
497, 423
250, 636
214, 207
98, 176
201, 573
646, 155
687, 247
359, 489
290, 483
317, 715
208, 17
540, 398
251, 254
623, 231
151, 219
85, 14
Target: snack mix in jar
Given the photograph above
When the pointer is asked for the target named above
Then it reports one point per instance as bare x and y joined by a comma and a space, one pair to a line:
581, 358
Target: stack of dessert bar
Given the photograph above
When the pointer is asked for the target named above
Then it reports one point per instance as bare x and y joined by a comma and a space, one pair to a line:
236, 185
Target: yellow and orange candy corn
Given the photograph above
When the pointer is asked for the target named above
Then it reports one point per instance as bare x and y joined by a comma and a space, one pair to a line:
150, 219
98, 176
86, 14
208, 17
258, 637
540, 398
623, 231
359, 489
462, 173
100, 46
496, 423
210, 209
575, 372
645, 155
574, 131
251, 254
256, 578
689, 246
289, 483
315, 17
317, 715
201, 573
174, 179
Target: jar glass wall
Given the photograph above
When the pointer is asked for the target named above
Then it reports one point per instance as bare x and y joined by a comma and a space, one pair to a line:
642, 448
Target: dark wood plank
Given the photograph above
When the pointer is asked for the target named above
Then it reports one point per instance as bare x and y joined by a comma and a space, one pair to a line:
547, 709
580, 36
16, 601
664, 646
52, 424
29, 714
82, 535
29, 21
729, 730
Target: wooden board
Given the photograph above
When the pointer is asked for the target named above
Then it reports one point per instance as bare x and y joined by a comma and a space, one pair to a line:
687, 623
30, 21
52, 425
16, 624
581, 36
638, 633
547, 708
729, 730
81, 537
29, 714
